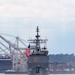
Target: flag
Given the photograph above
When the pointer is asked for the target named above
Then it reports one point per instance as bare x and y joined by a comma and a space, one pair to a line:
27, 50
29, 46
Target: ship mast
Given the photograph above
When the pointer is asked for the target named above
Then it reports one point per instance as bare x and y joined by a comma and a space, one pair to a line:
37, 39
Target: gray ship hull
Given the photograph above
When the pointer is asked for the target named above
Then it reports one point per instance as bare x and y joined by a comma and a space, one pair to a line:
38, 65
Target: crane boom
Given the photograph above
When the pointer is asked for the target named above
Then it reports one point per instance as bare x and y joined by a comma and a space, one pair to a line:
12, 45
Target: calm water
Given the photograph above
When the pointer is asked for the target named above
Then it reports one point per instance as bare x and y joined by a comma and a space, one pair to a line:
26, 74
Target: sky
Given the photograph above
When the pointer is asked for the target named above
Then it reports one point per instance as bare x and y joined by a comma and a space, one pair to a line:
55, 19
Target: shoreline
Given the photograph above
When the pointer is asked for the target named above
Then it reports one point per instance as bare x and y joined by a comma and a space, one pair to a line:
50, 72
61, 72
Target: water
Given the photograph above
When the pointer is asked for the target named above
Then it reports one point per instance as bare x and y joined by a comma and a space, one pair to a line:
26, 74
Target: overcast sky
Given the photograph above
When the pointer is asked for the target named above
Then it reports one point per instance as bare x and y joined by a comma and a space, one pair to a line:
55, 18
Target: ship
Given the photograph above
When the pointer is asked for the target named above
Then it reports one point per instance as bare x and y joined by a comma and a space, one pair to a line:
5, 63
35, 61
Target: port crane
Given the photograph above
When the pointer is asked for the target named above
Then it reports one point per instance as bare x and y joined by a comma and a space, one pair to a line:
15, 53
